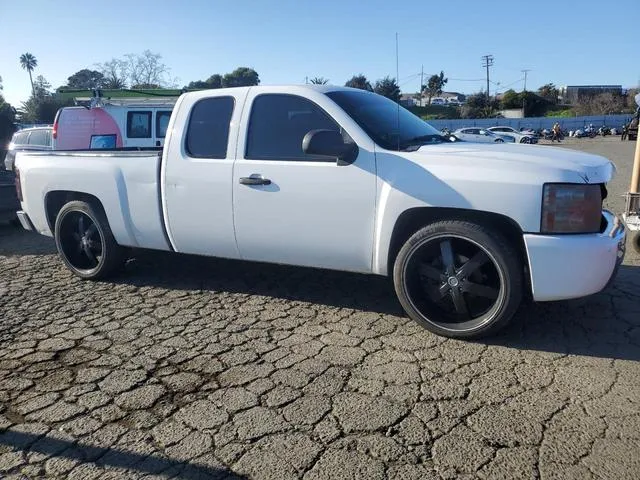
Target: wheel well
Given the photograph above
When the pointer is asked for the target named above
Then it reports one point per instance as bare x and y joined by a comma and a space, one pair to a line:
54, 201
414, 219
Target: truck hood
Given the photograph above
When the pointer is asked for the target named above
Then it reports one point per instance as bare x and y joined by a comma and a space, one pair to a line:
588, 167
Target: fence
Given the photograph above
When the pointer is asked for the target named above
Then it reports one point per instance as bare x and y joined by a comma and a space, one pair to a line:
568, 123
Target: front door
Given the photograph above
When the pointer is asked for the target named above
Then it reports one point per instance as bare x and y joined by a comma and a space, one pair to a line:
300, 209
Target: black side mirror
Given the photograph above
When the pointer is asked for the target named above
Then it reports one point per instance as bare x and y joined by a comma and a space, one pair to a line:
330, 143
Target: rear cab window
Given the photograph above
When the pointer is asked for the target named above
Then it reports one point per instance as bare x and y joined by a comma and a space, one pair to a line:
208, 128
139, 124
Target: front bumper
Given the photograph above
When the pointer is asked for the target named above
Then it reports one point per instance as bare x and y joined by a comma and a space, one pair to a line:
573, 266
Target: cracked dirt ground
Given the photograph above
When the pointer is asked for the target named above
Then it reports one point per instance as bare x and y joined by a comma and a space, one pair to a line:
186, 367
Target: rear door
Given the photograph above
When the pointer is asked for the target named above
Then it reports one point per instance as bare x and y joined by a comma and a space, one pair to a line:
197, 171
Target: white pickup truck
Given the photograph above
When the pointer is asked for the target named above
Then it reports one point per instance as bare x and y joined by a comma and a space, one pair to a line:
338, 178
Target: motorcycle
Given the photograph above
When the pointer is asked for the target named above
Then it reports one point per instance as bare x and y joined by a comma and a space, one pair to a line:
604, 131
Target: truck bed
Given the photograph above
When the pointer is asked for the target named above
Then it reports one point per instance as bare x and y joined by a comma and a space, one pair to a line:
124, 181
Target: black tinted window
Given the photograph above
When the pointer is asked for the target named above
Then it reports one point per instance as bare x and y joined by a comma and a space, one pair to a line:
208, 130
279, 123
139, 124
162, 122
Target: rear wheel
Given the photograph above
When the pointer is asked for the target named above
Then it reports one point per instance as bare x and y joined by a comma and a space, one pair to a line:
524, 140
459, 279
499, 140
85, 242
635, 242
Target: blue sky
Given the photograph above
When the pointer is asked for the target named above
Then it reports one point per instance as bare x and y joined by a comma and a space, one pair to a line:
582, 42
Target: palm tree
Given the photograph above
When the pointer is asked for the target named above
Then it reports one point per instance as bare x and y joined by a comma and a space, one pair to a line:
319, 81
29, 62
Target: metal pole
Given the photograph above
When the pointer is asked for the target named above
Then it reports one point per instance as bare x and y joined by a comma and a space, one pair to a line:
635, 176
421, 83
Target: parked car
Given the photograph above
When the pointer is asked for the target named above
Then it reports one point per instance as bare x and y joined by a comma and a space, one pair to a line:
519, 137
38, 138
320, 176
8, 198
480, 135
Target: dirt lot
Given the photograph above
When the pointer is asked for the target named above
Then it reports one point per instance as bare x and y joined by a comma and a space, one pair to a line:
189, 368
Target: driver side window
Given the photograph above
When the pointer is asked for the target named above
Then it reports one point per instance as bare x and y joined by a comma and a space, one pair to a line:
279, 122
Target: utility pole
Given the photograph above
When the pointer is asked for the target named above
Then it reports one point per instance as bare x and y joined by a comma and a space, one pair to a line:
525, 71
487, 61
421, 83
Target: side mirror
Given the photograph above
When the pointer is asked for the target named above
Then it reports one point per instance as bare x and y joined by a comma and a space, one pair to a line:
330, 143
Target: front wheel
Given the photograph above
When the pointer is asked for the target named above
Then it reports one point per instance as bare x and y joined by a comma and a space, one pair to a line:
499, 140
85, 242
459, 279
524, 140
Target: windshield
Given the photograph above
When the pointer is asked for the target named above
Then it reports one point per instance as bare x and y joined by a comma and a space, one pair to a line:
378, 117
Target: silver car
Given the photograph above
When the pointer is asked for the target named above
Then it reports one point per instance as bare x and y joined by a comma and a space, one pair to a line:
480, 135
37, 138
520, 137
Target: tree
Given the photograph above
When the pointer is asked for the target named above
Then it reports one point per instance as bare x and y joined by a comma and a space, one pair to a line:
29, 62
511, 99
387, 87
41, 87
319, 81
114, 73
7, 125
549, 92
86, 79
477, 106
434, 85
147, 69
214, 81
359, 81
602, 104
241, 77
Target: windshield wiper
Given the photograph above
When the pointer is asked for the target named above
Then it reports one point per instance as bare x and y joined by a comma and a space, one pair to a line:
416, 142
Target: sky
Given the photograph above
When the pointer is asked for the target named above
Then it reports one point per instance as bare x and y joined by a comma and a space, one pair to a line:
567, 43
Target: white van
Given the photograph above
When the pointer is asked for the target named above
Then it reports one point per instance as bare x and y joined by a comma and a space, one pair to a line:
121, 124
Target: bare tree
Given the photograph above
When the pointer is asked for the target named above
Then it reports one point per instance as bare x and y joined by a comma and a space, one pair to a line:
602, 104
115, 73
147, 69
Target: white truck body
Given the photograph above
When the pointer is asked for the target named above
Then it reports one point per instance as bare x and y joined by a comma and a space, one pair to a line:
320, 213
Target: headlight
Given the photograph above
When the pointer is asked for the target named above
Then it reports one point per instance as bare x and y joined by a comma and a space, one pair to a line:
571, 208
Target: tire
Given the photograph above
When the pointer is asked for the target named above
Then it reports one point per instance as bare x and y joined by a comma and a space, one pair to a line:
85, 242
524, 140
499, 140
635, 242
421, 275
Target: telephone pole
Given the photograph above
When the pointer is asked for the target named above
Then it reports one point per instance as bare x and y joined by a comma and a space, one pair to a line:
421, 83
525, 71
487, 61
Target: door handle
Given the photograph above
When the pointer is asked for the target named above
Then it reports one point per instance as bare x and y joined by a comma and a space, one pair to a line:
255, 179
